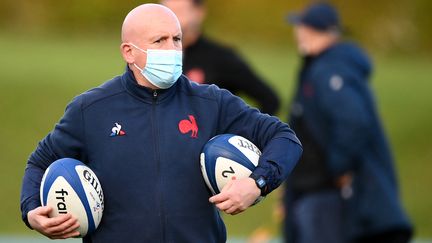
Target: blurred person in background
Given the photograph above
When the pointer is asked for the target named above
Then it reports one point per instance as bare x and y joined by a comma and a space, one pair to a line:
205, 61
344, 188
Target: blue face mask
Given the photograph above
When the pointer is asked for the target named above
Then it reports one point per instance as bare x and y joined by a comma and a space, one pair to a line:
163, 67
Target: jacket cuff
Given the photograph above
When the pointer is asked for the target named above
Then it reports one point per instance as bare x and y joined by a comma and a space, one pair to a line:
267, 175
27, 208
277, 161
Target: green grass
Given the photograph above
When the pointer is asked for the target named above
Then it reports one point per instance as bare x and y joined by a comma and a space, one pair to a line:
40, 75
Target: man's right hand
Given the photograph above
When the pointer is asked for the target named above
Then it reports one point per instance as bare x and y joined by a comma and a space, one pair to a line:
344, 183
344, 180
59, 227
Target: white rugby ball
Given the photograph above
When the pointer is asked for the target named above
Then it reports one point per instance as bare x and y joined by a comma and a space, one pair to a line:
227, 157
69, 186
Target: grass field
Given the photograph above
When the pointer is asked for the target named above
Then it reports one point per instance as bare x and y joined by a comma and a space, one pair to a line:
39, 76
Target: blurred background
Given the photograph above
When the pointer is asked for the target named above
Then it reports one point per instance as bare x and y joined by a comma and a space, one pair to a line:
54, 50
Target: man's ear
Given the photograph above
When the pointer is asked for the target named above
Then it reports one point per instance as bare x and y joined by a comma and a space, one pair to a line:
126, 51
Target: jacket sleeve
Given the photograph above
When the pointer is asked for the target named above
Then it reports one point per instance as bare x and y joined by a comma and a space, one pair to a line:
343, 100
66, 140
238, 77
280, 147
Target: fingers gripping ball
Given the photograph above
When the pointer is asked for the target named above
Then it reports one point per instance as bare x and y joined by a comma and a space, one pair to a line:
69, 186
227, 157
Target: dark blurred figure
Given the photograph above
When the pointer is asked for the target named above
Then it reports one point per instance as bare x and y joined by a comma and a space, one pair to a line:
205, 61
344, 189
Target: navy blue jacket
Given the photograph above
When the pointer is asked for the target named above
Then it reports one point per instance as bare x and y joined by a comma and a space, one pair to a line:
337, 110
151, 177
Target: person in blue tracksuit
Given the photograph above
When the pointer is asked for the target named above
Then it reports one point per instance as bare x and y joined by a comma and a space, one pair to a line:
142, 134
344, 188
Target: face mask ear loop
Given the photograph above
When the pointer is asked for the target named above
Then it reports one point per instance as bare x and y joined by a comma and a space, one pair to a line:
140, 69
132, 44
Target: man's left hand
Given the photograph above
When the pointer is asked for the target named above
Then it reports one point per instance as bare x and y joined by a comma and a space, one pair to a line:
236, 196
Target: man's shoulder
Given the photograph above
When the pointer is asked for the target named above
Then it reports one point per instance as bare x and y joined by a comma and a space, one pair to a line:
205, 91
346, 60
343, 55
106, 90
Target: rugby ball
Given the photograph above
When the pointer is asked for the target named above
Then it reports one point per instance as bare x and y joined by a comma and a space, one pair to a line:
227, 157
69, 186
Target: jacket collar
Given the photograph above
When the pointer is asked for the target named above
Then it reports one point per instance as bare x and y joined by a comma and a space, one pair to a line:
143, 93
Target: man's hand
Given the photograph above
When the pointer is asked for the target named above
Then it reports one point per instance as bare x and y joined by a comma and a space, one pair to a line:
344, 183
60, 227
344, 180
236, 196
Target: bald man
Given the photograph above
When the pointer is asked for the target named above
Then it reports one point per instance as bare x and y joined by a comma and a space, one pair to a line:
149, 167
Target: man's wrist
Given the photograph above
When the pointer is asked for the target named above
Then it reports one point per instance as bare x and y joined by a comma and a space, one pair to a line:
261, 183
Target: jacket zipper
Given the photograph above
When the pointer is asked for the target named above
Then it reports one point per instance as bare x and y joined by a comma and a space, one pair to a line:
157, 156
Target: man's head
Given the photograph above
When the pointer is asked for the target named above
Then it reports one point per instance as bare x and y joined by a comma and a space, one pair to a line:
191, 14
148, 26
316, 28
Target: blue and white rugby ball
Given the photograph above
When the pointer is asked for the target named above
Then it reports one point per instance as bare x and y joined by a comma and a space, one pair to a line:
69, 186
227, 157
